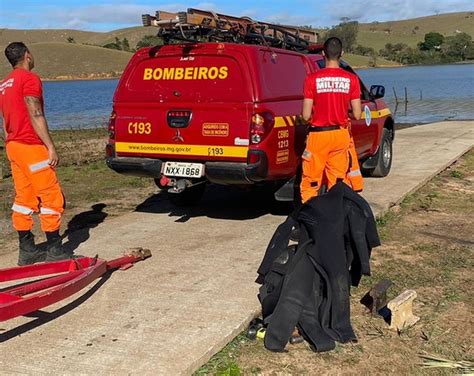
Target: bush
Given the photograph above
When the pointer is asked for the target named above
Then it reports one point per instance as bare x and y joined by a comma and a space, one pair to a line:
149, 41
365, 51
121, 45
346, 32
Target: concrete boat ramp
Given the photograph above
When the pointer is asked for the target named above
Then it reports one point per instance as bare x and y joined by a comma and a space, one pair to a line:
169, 314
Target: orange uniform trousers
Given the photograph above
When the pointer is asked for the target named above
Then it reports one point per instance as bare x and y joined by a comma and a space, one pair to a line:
36, 187
326, 156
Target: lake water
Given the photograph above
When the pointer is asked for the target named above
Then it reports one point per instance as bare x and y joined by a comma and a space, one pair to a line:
446, 91
78, 104
434, 93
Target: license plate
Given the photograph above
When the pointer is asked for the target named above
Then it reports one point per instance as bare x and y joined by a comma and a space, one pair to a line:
182, 169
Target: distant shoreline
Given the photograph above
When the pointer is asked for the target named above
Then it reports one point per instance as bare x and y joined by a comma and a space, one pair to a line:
79, 79
470, 62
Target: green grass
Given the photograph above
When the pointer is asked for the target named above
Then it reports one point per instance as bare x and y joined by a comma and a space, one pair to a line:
74, 146
224, 362
357, 61
456, 174
102, 182
64, 135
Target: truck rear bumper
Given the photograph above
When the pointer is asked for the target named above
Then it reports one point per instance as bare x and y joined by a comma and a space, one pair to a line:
145, 167
216, 172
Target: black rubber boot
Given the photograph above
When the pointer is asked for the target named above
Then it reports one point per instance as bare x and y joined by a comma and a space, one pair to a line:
54, 247
29, 252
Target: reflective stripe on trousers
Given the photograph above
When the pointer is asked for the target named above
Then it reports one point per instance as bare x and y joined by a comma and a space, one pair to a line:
354, 173
22, 209
354, 176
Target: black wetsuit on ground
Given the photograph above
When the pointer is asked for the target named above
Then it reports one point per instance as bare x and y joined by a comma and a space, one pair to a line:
337, 233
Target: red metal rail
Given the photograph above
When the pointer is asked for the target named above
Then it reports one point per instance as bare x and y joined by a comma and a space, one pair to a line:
61, 280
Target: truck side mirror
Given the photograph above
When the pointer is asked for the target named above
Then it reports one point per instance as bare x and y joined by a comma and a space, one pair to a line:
377, 91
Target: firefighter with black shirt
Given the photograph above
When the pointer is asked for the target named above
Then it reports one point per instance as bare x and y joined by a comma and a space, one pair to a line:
328, 95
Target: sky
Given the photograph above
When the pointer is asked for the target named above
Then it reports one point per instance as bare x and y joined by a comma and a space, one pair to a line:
107, 15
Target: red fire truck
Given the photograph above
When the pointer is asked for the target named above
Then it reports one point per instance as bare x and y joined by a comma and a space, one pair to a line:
226, 110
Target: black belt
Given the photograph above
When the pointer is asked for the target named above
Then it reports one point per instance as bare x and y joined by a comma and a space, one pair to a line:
325, 128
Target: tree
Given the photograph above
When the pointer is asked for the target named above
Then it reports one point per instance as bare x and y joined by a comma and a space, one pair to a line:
458, 46
121, 45
70, 40
125, 45
112, 46
365, 51
432, 41
346, 32
149, 41
401, 53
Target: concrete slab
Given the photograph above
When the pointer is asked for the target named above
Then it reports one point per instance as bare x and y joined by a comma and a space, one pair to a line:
171, 313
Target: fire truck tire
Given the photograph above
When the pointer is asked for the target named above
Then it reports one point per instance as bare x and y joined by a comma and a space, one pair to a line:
189, 197
385, 156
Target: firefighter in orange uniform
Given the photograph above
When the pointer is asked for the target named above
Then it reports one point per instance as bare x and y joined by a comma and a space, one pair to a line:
33, 158
328, 94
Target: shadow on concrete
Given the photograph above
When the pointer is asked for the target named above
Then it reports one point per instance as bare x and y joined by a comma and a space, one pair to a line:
43, 317
78, 228
220, 202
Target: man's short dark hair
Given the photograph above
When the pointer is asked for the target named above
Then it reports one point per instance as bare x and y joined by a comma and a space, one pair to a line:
333, 48
15, 52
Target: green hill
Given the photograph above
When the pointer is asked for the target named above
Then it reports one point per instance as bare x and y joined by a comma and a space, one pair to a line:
69, 60
412, 31
133, 34
55, 58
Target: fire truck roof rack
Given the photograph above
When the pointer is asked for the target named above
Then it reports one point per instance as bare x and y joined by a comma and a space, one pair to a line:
196, 25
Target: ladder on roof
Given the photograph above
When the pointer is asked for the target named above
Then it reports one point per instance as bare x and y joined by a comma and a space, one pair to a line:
196, 25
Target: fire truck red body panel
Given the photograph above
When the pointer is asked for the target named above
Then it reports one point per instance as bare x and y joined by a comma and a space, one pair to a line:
231, 107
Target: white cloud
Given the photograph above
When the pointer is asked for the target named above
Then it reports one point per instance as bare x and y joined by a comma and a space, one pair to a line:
287, 18
250, 12
96, 14
110, 13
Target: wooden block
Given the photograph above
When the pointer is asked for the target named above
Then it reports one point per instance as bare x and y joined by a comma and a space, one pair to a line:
401, 309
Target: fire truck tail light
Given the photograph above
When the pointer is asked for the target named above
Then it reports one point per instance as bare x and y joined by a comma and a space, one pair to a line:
109, 151
261, 124
112, 117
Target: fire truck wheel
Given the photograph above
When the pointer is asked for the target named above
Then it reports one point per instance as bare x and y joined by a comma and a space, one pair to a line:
384, 162
190, 196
